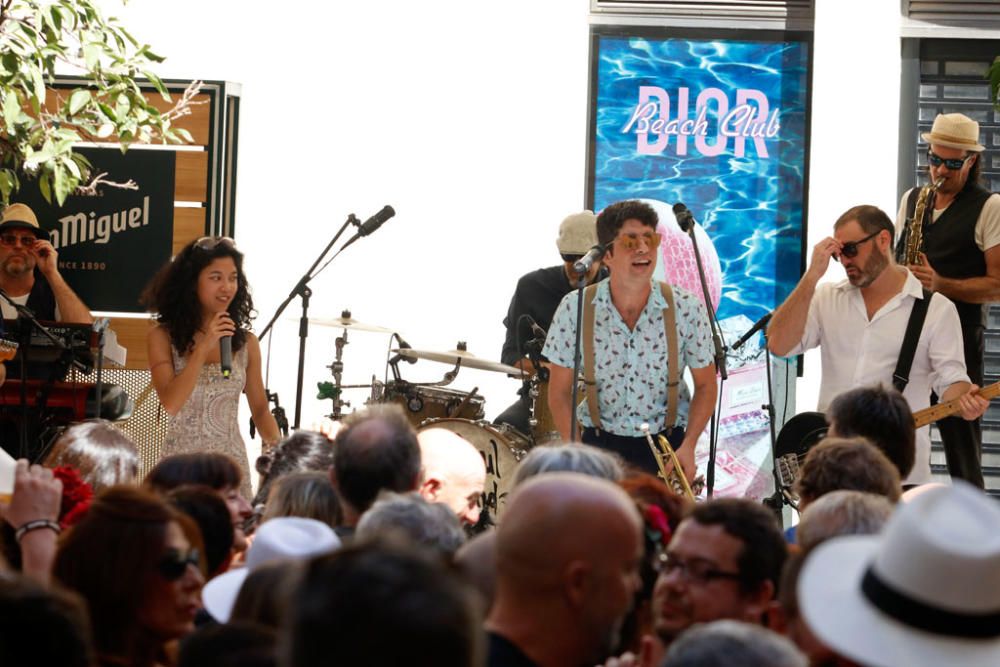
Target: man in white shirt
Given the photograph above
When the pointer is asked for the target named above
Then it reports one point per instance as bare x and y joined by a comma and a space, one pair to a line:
859, 324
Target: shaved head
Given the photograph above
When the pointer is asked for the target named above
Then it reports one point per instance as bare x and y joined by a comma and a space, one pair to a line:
568, 555
454, 472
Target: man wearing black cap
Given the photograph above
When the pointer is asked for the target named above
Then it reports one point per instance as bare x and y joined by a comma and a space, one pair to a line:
29, 271
959, 258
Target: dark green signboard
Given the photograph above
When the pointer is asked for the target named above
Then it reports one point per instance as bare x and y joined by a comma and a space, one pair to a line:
110, 245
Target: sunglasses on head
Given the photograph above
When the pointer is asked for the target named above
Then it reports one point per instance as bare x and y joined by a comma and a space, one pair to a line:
954, 163
209, 243
173, 565
11, 240
631, 241
850, 249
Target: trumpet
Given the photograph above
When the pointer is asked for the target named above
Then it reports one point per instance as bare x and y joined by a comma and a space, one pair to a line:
675, 479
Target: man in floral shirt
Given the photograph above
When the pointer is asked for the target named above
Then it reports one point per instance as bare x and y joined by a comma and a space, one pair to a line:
630, 349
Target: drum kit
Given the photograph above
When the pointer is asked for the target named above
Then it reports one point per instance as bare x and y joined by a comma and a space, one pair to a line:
435, 405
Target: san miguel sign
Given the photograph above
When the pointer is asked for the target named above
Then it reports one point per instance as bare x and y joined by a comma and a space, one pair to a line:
111, 245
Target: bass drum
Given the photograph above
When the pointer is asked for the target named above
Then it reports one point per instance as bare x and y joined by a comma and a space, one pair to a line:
501, 447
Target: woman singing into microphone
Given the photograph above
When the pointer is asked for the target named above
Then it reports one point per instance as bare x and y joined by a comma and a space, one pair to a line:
200, 298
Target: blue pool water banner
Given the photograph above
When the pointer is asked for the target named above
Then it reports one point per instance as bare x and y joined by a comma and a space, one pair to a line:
719, 123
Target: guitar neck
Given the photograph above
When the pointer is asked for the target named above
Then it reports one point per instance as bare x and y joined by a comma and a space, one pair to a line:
942, 410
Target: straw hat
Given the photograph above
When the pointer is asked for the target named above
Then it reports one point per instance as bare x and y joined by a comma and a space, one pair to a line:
20, 215
577, 233
924, 593
954, 130
281, 538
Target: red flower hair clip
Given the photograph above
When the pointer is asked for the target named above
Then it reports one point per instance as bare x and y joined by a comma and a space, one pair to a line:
76, 495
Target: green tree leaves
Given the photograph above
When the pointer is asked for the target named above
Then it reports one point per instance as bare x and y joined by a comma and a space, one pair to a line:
41, 125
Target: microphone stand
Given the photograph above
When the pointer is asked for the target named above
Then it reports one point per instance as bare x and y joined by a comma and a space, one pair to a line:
576, 356
777, 499
302, 290
720, 364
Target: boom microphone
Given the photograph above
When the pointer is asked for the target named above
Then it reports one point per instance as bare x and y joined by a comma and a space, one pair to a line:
684, 217
226, 355
376, 221
758, 325
595, 254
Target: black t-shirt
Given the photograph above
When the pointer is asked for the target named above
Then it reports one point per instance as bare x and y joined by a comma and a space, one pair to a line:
503, 653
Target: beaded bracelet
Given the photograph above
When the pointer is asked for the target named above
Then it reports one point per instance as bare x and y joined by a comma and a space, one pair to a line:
35, 525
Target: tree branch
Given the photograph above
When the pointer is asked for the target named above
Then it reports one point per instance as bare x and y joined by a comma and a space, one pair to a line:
90, 189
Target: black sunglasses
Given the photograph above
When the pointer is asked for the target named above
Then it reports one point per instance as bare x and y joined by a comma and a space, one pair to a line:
954, 163
173, 565
850, 249
209, 243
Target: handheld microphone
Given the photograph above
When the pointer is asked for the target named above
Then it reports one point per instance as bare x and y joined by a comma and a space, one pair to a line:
226, 355
595, 254
684, 217
758, 325
376, 221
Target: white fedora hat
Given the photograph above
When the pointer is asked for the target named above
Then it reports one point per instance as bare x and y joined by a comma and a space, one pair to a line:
924, 593
954, 130
281, 538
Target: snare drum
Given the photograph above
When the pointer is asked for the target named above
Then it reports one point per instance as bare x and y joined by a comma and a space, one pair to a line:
501, 448
423, 403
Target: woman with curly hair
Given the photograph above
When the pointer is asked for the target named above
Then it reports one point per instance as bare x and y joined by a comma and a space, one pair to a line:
200, 297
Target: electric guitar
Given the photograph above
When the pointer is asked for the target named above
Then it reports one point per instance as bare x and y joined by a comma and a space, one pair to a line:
805, 429
8, 349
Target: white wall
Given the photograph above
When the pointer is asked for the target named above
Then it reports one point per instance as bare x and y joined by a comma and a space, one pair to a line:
472, 124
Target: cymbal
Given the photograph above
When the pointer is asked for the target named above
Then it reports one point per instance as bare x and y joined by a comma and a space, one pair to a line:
345, 321
467, 359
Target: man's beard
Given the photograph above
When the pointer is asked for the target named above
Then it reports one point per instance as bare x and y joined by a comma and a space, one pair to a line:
15, 270
872, 269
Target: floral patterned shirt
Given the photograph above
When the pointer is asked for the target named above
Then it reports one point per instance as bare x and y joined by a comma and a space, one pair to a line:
631, 370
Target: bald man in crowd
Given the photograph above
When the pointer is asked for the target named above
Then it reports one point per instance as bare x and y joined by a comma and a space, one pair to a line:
568, 555
454, 472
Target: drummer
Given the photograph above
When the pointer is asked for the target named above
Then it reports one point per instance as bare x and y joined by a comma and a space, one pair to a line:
537, 295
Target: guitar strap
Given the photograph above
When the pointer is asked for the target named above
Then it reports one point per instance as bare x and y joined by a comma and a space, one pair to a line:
901, 376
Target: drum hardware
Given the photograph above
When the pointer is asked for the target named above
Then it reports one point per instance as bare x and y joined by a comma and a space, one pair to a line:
460, 357
345, 321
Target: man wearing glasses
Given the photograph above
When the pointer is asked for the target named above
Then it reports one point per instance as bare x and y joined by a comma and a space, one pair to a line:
961, 259
29, 271
630, 371
859, 325
724, 562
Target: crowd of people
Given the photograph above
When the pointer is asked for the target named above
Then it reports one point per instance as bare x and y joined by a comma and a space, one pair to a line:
352, 556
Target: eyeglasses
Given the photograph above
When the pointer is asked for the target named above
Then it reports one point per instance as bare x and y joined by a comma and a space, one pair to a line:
693, 572
631, 241
11, 240
850, 249
173, 565
954, 163
209, 243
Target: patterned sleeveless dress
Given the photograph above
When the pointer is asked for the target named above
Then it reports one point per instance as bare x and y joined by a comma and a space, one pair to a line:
208, 420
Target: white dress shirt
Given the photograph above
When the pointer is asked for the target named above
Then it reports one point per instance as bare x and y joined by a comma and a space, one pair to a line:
857, 352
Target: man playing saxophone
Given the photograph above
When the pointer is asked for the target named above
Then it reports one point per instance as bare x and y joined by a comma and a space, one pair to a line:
958, 255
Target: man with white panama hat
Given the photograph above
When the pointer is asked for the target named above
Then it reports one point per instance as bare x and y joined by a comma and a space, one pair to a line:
923, 593
961, 259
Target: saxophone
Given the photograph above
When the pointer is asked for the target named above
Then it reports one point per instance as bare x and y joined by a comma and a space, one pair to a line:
675, 479
915, 226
